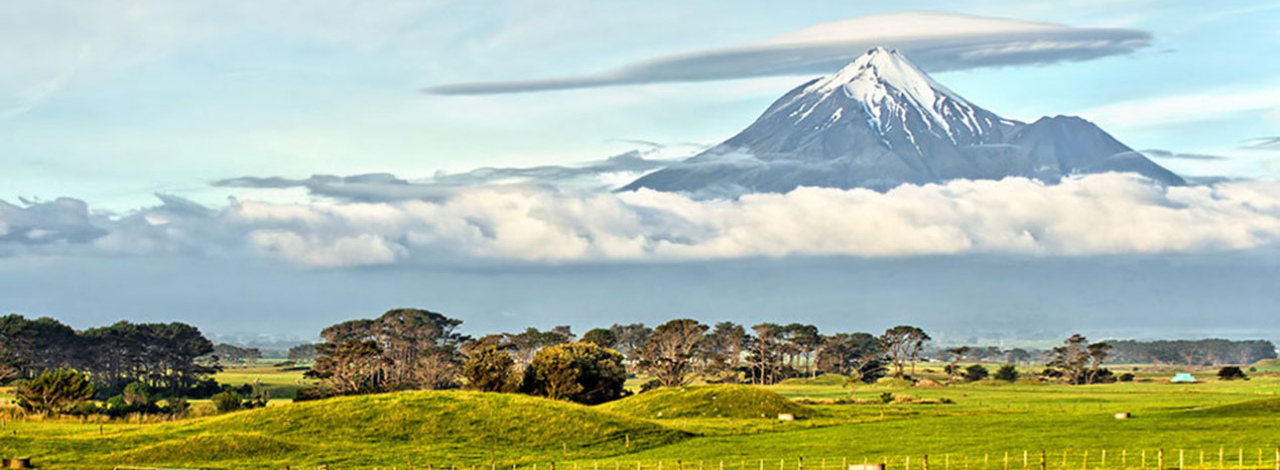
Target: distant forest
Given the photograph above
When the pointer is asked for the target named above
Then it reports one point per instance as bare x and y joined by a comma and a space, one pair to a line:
420, 349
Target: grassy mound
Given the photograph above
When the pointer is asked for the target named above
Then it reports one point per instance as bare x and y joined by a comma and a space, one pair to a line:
707, 401
1250, 408
232, 446
403, 428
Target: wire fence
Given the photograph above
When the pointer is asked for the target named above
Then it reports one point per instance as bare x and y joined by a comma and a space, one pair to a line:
1221, 458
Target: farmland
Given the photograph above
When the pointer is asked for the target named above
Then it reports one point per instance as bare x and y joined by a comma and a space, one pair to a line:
962, 425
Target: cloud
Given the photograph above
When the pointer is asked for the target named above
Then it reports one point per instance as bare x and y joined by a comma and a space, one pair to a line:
936, 42
1157, 153
1262, 143
387, 187
1083, 216
1184, 108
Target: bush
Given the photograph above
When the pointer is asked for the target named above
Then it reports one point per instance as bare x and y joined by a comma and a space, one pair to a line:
975, 373
650, 385
1007, 373
227, 402
490, 369
1231, 373
137, 394
1126, 377
55, 392
580, 372
886, 397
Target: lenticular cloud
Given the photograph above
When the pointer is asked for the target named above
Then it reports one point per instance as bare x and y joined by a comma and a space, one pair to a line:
1091, 215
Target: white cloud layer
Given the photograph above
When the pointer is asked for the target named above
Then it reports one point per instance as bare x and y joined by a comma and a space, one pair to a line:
935, 41
1091, 215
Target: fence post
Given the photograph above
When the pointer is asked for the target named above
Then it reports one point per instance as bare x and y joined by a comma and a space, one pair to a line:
1181, 464
1161, 459
1084, 464
1043, 460
907, 465
1222, 459
926, 461
1241, 466
1024, 459
1103, 464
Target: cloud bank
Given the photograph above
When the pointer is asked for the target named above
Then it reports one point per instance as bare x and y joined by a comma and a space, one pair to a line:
936, 42
1090, 215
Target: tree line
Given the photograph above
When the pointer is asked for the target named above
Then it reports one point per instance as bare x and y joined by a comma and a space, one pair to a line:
163, 356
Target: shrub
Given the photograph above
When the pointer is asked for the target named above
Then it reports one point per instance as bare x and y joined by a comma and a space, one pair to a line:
227, 402
650, 385
975, 373
490, 369
1126, 377
580, 372
886, 397
138, 395
1231, 373
57, 391
176, 406
1007, 373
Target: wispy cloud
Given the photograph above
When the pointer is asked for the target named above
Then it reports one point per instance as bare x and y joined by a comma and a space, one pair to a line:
1157, 153
1262, 143
386, 187
935, 41
1184, 108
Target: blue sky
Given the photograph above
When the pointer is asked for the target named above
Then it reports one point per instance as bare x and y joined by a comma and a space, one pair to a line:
133, 110
115, 102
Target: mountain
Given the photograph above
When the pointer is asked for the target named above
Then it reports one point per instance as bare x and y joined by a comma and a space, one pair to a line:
881, 122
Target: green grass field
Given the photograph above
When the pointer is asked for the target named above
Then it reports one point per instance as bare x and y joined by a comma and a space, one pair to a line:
444, 429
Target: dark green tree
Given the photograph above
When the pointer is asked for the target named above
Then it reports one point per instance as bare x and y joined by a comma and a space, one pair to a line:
602, 337
580, 372
491, 369
975, 373
1007, 373
54, 391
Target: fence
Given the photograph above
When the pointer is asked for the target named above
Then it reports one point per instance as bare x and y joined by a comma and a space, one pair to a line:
1220, 458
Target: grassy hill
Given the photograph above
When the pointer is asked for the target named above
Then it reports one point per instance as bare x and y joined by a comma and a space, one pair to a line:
408, 427
707, 401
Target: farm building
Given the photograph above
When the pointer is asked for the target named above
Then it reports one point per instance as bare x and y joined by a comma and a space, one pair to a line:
1183, 377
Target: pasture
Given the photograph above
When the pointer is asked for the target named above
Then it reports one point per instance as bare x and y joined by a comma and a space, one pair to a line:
1212, 424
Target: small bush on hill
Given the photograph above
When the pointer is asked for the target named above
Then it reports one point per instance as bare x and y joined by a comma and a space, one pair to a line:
1007, 373
1126, 377
1231, 373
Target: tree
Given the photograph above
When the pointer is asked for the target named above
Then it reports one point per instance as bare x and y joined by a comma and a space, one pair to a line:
226, 402
403, 348
601, 337
629, 339
975, 373
303, 353
1232, 373
668, 355
54, 391
1078, 361
491, 369
231, 354
856, 355
803, 341
349, 367
957, 355
763, 355
581, 372
721, 352
527, 344
1017, 356
903, 345
1007, 373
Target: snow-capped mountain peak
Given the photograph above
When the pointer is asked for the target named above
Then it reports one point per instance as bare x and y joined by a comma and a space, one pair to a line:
880, 122
898, 95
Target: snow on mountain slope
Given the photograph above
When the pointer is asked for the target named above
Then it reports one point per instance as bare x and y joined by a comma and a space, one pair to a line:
881, 122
